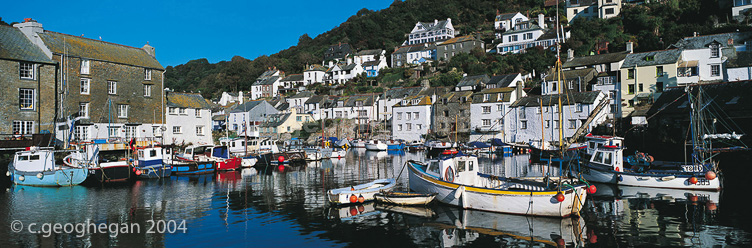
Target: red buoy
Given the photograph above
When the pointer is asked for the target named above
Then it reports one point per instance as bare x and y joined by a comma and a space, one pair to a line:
591, 190
561, 243
353, 211
711, 206
361, 208
693, 180
693, 198
616, 168
138, 172
361, 199
281, 168
559, 197
710, 175
353, 199
281, 159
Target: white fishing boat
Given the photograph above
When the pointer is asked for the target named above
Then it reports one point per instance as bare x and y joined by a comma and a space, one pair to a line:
457, 181
317, 153
376, 145
358, 143
36, 166
404, 198
360, 193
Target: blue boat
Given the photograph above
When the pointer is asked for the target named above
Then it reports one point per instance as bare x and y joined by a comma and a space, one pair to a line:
190, 168
149, 164
36, 167
395, 144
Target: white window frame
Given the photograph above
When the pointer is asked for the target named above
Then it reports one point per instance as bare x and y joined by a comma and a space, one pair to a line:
27, 98
486, 109
122, 111
147, 74
177, 129
23, 127
181, 111
85, 86
113, 131
81, 132
112, 87
131, 132
715, 70
171, 110
486, 122
147, 90
83, 109
85, 66
198, 112
200, 130
26, 70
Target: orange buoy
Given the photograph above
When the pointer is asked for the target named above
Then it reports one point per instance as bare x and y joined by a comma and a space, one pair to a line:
559, 197
711, 206
616, 168
281, 159
591, 190
693, 198
361, 208
693, 180
138, 172
353, 199
361, 199
710, 175
353, 211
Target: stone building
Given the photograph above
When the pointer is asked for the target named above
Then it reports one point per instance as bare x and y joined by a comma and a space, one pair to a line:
112, 91
28, 82
463, 44
451, 114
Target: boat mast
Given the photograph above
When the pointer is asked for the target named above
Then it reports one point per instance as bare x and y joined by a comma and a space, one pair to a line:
558, 79
543, 129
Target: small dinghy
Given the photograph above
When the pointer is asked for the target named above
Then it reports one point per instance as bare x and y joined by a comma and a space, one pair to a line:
404, 198
360, 193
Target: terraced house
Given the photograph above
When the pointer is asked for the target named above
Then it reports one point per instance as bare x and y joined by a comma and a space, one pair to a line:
189, 119
28, 94
112, 90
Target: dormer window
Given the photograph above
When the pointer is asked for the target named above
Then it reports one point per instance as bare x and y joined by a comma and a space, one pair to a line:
715, 51
404, 102
486, 97
85, 66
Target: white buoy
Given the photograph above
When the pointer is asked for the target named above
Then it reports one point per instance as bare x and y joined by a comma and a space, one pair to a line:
7, 173
21, 178
40, 175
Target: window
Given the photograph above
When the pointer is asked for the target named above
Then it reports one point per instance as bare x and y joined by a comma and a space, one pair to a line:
419, 126
83, 109
147, 89
171, 110
111, 87
85, 86
147, 74
416, 115
399, 127
500, 108
556, 124
547, 124
85, 66
200, 130
586, 10
81, 133
630, 74
715, 70
659, 86
553, 87
409, 126
609, 11
177, 129
486, 97
658, 71
715, 51
522, 112
26, 98
630, 89
523, 124
486, 109
23, 127
26, 70
572, 124
130, 132
409, 116
578, 107
113, 132
639, 86
399, 115
299, 118
486, 122
181, 111
529, 36
122, 111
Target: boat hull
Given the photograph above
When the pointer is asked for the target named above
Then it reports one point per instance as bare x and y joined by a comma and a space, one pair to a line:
400, 198
377, 147
110, 172
192, 168
368, 190
534, 203
229, 164
153, 171
602, 174
55, 178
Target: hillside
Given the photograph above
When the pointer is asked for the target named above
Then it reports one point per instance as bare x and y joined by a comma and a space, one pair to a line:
651, 26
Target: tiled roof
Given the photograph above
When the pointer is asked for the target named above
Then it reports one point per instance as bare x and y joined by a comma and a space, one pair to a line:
374, 52
424, 100
505, 16
458, 40
98, 50
267, 81
703, 41
302, 94
588, 73
474, 80
595, 59
587, 97
503, 80
401, 92
652, 58
14, 45
245, 107
187, 100
506, 95
293, 78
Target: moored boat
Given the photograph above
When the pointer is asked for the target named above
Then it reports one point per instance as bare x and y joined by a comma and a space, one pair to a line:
404, 198
358, 143
376, 145
458, 182
395, 144
435, 148
360, 193
37, 167
150, 164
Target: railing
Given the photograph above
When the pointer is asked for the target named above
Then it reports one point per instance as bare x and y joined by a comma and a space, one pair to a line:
24, 140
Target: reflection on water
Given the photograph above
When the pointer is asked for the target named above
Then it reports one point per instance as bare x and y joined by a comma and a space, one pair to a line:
272, 208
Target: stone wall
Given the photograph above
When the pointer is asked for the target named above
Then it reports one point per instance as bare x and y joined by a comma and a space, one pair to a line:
44, 105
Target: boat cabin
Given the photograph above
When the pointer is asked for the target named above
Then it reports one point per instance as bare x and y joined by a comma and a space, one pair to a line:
241, 145
150, 156
599, 141
459, 169
268, 146
197, 153
609, 156
34, 159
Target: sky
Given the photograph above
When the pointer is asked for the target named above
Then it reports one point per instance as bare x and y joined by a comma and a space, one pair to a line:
185, 30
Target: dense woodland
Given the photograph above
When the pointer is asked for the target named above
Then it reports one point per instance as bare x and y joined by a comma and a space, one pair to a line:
652, 26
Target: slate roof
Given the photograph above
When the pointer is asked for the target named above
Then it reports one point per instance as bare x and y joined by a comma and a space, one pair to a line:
293, 78
587, 97
316, 67
15, 46
735, 98
267, 81
455, 96
219, 117
316, 99
532, 26
374, 52
548, 34
503, 80
371, 63
659, 58
506, 95
245, 107
595, 59
474, 80
337, 51
348, 67
302, 94
506, 16
401, 92
283, 106
187, 100
743, 59
276, 120
439, 91
458, 40
586, 73
429, 26
415, 48
424, 100
737, 38
77, 46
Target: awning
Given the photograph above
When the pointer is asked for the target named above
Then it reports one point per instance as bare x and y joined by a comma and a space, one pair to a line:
691, 63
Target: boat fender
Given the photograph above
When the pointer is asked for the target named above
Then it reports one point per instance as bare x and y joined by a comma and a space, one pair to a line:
353, 211
710, 175
21, 178
7, 173
68, 160
40, 175
353, 198
361, 199
693, 180
620, 178
449, 174
616, 168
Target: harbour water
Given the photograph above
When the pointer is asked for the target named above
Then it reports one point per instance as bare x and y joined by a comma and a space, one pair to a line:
288, 208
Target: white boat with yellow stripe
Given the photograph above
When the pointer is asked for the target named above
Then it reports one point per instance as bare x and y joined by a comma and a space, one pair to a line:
457, 181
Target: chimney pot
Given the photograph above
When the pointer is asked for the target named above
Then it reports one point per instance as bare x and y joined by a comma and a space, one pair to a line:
630, 47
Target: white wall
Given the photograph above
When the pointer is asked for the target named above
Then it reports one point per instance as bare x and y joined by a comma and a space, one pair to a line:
739, 74
535, 126
188, 123
400, 120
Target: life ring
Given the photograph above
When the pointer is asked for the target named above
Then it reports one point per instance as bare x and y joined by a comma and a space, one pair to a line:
449, 174
68, 160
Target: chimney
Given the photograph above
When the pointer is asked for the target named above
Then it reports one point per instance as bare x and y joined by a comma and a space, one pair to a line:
331, 64
630, 47
435, 22
31, 29
240, 95
426, 84
694, 34
541, 22
730, 41
349, 60
570, 54
149, 49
